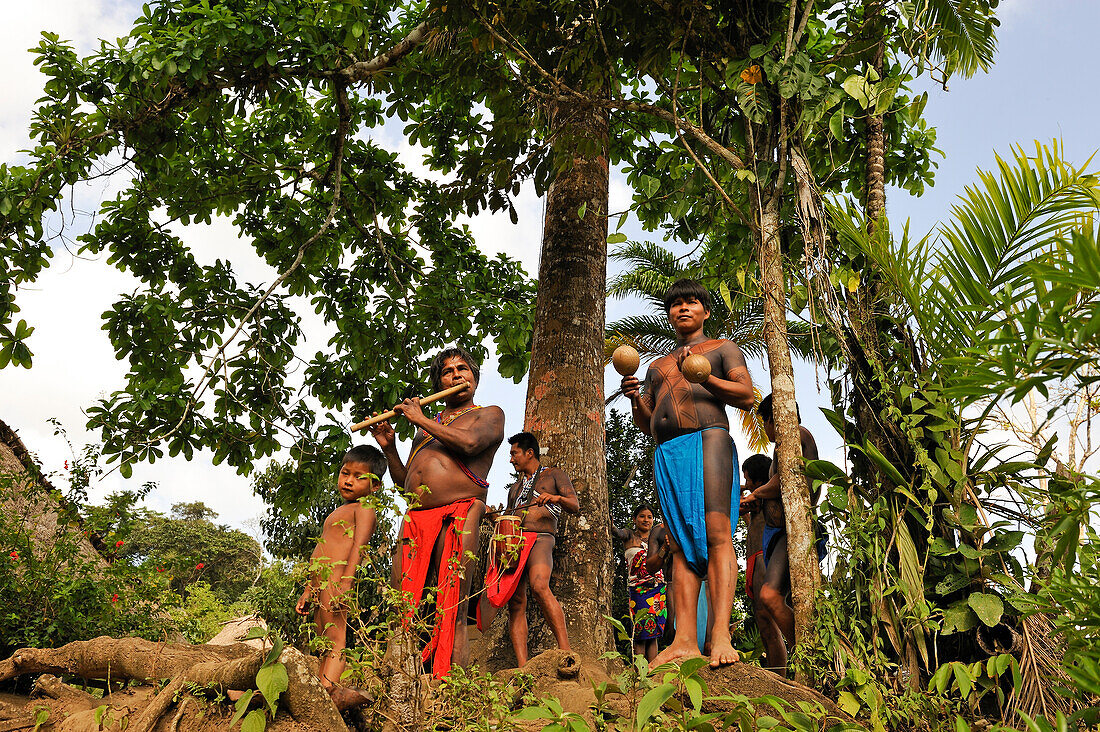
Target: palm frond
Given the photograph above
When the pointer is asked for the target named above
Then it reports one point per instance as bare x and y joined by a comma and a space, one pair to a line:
959, 33
753, 426
998, 228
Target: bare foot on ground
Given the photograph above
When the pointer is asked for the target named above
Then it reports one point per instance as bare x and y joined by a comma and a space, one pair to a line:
675, 652
347, 698
722, 654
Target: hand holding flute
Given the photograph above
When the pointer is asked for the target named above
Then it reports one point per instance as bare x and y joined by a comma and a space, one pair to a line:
426, 400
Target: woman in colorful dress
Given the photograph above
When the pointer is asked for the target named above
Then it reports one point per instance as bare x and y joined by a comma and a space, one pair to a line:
647, 590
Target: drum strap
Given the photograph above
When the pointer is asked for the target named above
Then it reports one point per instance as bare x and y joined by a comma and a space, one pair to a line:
527, 493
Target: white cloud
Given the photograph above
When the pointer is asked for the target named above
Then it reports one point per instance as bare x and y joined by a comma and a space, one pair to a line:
82, 23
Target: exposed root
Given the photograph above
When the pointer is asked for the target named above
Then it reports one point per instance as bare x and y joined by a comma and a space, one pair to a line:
222, 668
175, 724
51, 686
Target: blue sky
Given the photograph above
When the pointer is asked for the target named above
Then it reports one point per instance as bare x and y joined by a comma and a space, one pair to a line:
1040, 88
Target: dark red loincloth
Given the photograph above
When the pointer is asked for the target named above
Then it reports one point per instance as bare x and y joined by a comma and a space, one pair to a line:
499, 586
421, 528
750, 571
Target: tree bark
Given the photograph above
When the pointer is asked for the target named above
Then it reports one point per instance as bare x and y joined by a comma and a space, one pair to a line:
804, 570
565, 386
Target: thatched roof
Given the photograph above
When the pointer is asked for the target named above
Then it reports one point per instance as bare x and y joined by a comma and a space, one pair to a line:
26, 495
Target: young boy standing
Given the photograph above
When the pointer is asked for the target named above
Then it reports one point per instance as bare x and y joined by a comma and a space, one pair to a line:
334, 561
695, 466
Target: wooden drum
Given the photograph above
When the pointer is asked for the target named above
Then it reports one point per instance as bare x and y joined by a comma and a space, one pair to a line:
507, 542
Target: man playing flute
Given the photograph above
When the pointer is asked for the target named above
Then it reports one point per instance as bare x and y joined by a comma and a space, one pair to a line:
445, 479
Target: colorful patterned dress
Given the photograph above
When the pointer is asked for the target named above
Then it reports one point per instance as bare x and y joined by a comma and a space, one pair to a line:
647, 592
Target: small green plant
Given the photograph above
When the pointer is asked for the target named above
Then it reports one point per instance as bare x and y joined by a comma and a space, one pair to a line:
271, 682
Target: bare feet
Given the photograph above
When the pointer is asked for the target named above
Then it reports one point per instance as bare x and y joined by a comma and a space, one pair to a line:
347, 698
675, 652
722, 654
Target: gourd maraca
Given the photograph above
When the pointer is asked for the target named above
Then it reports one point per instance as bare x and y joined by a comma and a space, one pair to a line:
696, 368
626, 360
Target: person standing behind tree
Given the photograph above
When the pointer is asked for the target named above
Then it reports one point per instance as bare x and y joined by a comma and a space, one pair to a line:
768, 498
755, 472
646, 589
695, 466
539, 496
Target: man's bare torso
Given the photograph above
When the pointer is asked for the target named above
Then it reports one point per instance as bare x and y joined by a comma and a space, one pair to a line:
435, 474
538, 518
773, 511
679, 406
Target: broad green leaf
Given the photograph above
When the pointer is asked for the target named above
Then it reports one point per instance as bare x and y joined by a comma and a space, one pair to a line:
836, 124
857, 88
988, 608
534, 713
958, 618
255, 721
651, 702
848, 702
242, 706
692, 665
272, 681
962, 679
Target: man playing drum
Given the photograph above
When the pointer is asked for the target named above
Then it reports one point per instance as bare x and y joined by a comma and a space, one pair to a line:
445, 481
538, 498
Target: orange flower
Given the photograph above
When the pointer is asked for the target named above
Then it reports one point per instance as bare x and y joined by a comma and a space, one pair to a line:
14, 556
752, 75
119, 543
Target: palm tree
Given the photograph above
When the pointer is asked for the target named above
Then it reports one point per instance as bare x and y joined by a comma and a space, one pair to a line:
735, 316
1001, 299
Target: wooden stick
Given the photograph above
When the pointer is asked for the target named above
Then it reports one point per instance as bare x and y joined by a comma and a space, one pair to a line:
426, 400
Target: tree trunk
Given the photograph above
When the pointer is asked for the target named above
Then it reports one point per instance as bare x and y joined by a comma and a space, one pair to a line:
565, 386
804, 570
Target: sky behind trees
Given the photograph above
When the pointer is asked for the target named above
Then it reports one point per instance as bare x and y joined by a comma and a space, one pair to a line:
1040, 88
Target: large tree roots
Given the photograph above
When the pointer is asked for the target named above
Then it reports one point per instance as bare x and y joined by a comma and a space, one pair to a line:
176, 682
189, 671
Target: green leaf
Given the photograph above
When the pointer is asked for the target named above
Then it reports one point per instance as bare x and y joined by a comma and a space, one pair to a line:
958, 618
617, 238
534, 713
989, 608
962, 679
41, 716
695, 692
242, 706
582, 210
254, 722
857, 88
848, 702
724, 290
836, 124
272, 681
651, 702
691, 666
276, 650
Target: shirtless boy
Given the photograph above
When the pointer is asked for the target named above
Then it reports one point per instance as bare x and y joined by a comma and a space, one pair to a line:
695, 466
551, 492
444, 478
772, 599
334, 561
